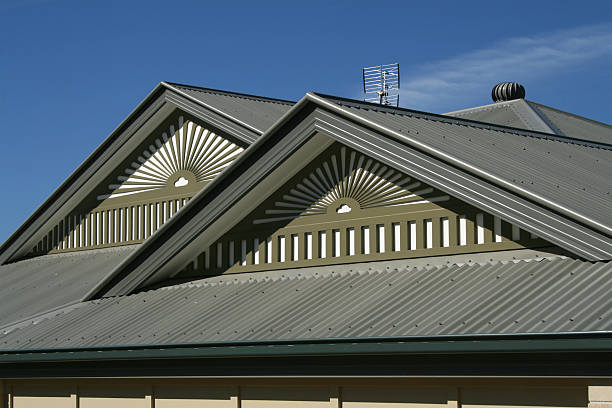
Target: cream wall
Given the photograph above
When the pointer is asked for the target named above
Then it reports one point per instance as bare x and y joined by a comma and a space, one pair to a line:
305, 393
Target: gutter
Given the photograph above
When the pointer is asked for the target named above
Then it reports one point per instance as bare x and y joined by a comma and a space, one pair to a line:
574, 342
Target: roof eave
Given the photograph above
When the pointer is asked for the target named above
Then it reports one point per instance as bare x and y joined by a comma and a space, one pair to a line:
543, 342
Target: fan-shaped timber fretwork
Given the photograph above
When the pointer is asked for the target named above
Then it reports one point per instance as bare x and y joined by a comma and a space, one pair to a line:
185, 154
346, 207
349, 176
168, 168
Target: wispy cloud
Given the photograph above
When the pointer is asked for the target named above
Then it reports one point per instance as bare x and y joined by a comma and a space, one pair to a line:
455, 82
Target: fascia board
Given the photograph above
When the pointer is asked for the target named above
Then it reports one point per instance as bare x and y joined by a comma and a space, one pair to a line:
463, 165
161, 101
327, 347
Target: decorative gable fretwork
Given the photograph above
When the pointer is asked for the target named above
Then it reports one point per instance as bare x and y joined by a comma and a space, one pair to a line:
346, 207
345, 183
146, 190
187, 154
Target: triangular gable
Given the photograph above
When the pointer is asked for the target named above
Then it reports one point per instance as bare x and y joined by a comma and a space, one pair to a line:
145, 190
298, 138
59, 220
346, 207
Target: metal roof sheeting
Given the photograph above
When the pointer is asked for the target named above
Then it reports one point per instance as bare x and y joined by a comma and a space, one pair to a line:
38, 285
568, 124
547, 296
572, 175
256, 111
516, 113
524, 114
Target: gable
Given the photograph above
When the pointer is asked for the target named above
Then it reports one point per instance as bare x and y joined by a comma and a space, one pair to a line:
210, 107
146, 189
298, 139
346, 207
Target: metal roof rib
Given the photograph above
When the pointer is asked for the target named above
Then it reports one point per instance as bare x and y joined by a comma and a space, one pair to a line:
254, 112
525, 114
567, 176
49, 282
499, 298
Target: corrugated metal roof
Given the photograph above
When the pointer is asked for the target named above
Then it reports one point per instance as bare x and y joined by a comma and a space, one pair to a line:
568, 124
38, 285
516, 113
524, 114
547, 296
257, 111
573, 175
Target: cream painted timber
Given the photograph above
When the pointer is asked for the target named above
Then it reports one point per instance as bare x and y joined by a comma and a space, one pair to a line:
44, 395
104, 394
394, 397
304, 392
195, 395
524, 396
600, 396
285, 397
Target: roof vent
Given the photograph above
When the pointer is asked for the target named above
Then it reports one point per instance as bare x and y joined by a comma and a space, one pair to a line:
507, 91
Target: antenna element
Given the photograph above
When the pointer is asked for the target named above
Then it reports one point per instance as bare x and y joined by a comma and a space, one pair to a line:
381, 84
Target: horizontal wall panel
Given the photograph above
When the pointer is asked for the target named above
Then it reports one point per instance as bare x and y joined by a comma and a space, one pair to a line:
114, 395
394, 397
195, 396
285, 397
40, 395
527, 397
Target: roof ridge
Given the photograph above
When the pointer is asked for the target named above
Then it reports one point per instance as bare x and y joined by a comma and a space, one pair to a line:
596, 122
463, 121
234, 94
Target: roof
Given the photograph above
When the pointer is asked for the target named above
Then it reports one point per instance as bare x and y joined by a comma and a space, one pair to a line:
552, 186
257, 111
42, 284
238, 115
524, 114
499, 298
568, 173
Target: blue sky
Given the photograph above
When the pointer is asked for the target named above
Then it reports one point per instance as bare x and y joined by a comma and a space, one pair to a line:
71, 71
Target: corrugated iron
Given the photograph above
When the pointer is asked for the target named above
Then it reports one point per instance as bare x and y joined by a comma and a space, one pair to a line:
521, 297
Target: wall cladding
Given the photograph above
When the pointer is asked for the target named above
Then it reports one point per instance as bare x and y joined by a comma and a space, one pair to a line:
286, 393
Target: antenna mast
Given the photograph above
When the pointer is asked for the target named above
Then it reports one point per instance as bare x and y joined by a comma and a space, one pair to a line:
381, 84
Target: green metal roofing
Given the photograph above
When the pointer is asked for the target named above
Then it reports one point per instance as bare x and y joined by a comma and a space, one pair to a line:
558, 296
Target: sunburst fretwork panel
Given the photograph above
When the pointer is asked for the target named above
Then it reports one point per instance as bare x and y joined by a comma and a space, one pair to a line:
169, 168
346, 207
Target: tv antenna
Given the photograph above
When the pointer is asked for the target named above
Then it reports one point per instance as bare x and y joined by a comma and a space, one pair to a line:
381, 84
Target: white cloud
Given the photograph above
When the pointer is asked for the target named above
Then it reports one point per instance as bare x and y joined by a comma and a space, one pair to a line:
457, 81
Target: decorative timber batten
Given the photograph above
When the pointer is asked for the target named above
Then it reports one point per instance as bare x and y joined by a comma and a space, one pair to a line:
147, 190
346, 207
